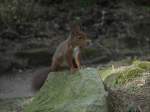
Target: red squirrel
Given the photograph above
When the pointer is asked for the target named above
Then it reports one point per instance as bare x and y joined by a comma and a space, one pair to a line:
67, 51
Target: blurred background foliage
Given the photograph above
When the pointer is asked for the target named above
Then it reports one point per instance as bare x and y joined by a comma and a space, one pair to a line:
118, 28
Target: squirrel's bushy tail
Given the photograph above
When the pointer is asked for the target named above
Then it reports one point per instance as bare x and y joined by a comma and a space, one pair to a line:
39, 79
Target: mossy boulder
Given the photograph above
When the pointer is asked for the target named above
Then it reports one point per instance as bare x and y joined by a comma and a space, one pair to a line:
129, 87
82, 91
143, 64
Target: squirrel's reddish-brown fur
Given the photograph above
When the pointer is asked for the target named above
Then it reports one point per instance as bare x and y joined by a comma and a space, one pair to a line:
67, 51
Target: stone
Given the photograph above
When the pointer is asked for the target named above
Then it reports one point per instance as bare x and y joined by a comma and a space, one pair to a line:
82, 91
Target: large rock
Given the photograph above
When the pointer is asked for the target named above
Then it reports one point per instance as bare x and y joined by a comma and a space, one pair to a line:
65, 92
130, 87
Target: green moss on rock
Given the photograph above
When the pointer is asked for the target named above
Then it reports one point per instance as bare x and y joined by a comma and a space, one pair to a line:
142, 64
122, 75
65, 92
129, 74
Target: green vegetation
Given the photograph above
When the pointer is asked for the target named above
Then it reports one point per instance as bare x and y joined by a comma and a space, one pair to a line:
128, 74
142, 64
146, 8
121, 75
